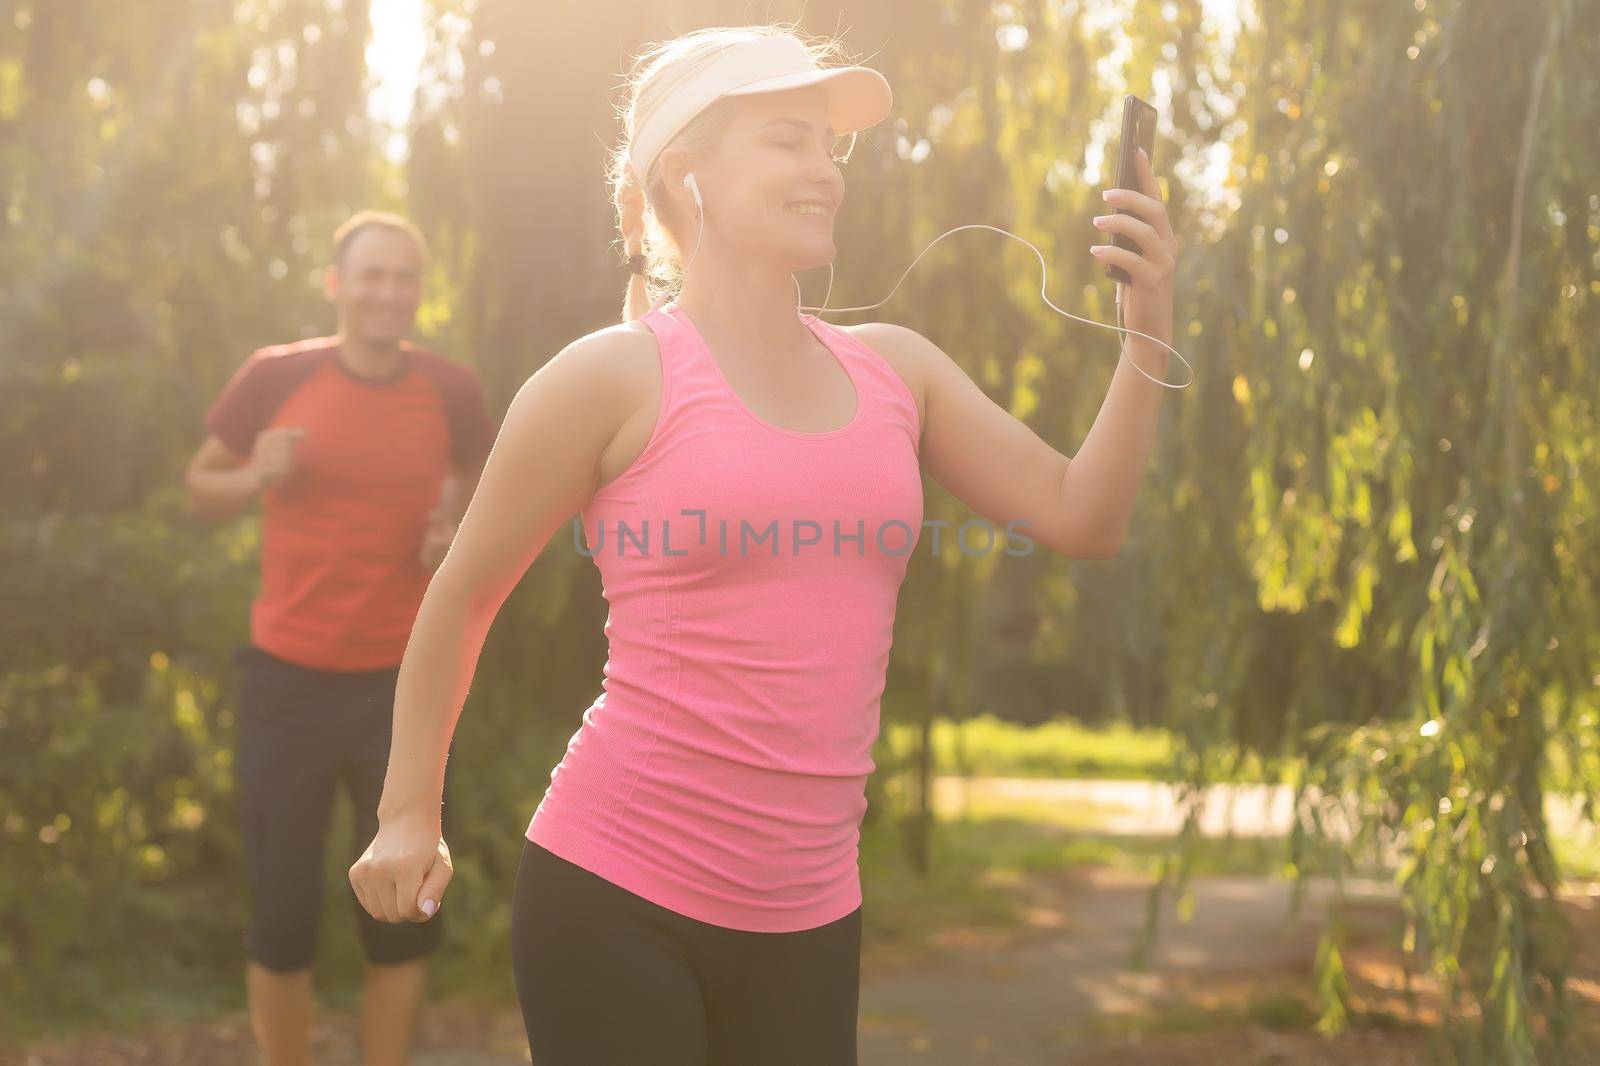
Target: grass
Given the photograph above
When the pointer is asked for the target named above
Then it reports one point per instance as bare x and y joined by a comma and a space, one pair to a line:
1278, 1011
121, 995
986, 746
1579, 859
123, 990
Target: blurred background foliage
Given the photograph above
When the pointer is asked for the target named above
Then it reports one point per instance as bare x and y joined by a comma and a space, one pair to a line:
1364, 560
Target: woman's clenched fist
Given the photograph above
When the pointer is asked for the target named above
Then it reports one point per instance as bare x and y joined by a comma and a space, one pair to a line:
402, 875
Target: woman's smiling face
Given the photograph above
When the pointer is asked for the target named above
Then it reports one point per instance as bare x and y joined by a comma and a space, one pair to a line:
772, 185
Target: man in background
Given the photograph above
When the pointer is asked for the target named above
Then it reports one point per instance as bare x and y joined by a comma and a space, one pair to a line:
364, 450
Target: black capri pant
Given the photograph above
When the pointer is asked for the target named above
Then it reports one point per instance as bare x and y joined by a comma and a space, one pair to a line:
302, 733
608, 978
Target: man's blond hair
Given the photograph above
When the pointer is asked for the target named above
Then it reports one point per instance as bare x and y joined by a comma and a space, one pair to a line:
368, 219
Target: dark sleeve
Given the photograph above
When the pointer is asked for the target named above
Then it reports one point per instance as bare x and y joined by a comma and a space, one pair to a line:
472, 431
240, 411
251, 397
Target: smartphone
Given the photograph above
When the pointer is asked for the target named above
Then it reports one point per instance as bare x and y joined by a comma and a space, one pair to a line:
1138, 131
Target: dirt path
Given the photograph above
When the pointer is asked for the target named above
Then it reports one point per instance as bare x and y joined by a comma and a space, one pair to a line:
1049, 994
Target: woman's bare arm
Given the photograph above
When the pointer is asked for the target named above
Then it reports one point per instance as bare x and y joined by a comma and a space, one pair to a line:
997, 464
543, 468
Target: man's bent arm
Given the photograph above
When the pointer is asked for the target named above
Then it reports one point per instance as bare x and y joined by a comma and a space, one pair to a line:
220, 483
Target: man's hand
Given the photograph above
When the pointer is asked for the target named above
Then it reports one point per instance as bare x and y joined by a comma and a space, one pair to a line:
436, 539
272, 458
455, 492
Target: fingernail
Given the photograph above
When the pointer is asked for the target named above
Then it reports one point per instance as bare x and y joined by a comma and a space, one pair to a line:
1108, 194
1096, 249
428, 907
1145, 154
1101, 220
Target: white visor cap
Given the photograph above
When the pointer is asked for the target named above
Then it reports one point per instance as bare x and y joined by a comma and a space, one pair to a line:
857, 97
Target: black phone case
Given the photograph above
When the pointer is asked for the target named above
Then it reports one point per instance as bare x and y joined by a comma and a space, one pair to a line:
1138, 130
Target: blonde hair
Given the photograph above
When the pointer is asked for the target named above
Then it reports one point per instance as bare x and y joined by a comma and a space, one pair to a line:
368, 219
656, 74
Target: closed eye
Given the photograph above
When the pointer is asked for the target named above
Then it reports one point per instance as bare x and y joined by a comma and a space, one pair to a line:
838, 148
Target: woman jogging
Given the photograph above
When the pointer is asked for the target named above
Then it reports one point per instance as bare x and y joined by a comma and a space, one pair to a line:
749, 481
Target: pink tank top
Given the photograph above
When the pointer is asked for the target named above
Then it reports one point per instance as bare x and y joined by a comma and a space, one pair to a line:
751, 574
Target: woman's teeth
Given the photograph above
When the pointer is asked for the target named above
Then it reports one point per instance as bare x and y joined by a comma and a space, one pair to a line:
808, 209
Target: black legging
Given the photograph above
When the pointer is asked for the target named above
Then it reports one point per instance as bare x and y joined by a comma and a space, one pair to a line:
607, 978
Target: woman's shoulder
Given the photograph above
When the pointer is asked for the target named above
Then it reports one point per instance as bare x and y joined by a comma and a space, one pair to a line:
588, 394
905, 350
900, 345
623, 356
605, 374
616, 374
621, 340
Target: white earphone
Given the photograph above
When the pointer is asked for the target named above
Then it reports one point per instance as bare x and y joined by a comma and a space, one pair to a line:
1044, 273
700, 216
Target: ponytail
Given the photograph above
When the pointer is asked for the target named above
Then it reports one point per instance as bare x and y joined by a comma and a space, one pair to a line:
631, 208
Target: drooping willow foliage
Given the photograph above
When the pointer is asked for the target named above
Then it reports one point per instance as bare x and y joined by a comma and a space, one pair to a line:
1406, 302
